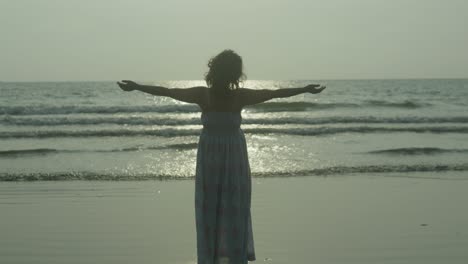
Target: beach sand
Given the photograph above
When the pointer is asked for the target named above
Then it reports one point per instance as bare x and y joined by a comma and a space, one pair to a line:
350, 219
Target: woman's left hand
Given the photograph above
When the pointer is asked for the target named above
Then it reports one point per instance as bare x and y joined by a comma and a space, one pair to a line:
315, 88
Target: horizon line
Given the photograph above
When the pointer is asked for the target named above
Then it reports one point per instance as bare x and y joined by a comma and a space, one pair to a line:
168, 80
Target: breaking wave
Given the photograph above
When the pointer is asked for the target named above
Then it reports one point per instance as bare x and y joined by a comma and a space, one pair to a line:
328, 171
418, 151
46, 151
172, 132
192, 108
139, 120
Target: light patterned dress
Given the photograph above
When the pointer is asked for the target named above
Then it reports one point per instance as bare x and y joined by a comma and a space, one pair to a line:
223, 192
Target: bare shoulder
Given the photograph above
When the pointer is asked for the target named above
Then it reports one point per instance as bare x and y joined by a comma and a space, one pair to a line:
203, 96
202, 91
243, 90
197, 91
248, 90
194, 90
199, 88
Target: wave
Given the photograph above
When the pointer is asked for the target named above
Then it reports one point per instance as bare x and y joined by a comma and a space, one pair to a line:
297, 106
46, 151
179, 146
139, 120
62, 110
171, 132
386, 170
418, 151
404, 104
194, 145
18, 152
192, 108
304, 106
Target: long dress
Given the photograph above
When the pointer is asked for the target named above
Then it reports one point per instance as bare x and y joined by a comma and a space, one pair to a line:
223, 192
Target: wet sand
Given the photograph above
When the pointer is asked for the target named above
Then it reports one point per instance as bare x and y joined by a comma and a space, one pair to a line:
351, 219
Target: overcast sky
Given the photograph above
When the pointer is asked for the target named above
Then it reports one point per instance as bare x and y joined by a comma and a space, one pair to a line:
60, 40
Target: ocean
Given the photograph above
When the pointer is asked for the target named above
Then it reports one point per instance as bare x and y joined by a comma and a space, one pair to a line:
56, 131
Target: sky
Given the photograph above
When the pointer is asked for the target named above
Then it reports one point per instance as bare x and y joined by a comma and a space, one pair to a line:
152, 40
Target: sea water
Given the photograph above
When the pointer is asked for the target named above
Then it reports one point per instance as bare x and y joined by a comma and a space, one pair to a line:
96, 131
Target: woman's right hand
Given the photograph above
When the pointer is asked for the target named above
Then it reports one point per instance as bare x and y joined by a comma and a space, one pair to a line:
128, 85
315, 88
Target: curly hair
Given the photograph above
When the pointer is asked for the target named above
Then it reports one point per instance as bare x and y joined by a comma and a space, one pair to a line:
225, 70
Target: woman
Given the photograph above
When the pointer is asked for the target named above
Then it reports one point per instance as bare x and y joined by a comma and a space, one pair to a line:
222, 178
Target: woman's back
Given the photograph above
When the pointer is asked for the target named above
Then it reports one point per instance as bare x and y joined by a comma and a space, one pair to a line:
218, 100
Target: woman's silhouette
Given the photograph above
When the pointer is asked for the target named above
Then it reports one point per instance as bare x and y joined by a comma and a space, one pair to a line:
222, 178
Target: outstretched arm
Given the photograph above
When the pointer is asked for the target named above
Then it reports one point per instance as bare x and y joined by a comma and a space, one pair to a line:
252, 96
188, 95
